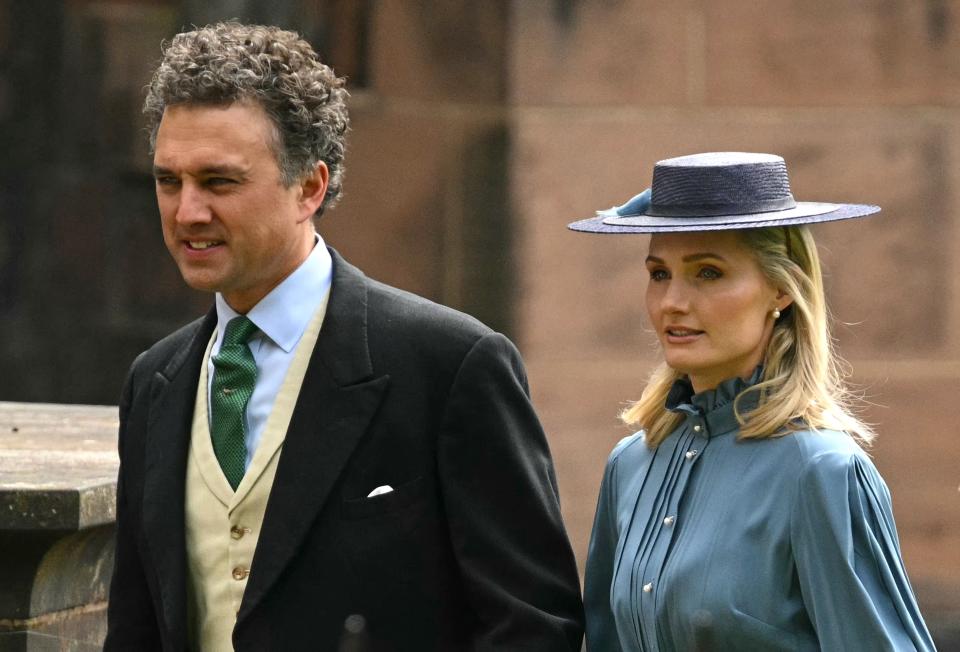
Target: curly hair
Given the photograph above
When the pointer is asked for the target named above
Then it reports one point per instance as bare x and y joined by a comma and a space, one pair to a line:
231, 62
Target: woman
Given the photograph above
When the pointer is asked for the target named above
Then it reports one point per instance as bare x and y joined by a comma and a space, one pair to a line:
744, 515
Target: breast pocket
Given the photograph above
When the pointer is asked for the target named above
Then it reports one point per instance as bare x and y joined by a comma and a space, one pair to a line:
403, 496
385, 535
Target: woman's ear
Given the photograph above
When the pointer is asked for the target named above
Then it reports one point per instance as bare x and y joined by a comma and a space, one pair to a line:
784, 300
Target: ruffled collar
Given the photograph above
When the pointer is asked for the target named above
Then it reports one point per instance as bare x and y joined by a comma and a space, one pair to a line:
714, 405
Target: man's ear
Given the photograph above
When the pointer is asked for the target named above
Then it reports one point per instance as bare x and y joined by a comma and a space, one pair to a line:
313, 190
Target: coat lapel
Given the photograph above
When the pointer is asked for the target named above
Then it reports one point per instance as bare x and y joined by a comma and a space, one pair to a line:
337, 401
172, 395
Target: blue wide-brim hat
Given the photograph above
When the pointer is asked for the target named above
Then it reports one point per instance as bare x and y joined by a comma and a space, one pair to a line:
716, 191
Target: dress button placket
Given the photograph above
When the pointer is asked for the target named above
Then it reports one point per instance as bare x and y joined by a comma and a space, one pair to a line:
653, 570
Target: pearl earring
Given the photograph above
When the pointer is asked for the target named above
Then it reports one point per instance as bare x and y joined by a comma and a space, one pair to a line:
776, 314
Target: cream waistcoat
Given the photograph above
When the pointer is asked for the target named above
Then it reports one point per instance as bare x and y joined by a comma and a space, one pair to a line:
223, 526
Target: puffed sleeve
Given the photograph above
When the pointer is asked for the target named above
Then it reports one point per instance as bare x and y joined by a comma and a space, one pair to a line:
848, 558
601, 626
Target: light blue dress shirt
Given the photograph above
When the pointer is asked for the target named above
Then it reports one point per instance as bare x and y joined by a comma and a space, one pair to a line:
710, 543
282, 317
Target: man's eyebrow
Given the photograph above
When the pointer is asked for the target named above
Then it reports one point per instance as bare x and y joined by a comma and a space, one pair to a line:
211, 170
692, 258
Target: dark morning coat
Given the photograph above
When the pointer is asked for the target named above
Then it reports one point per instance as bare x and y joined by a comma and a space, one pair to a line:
467, 553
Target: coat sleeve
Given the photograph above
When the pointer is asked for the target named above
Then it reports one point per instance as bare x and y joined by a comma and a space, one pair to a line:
601, 626
851, 574
501, 501
131, 619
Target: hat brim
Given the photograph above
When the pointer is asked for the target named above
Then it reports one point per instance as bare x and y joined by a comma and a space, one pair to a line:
803, 213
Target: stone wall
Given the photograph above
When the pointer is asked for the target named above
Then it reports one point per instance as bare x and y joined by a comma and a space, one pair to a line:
58, 476
861, 98
480, 130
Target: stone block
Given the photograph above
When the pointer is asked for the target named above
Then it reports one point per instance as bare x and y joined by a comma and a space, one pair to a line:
590, 302
59, 466
428, 50
886, 279
57, 498
594, 53
390, 219
44, 642
823, 53
916, 452
426, 207
74, 573
579, 401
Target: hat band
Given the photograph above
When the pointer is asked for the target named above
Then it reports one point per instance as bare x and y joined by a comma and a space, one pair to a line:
711, 210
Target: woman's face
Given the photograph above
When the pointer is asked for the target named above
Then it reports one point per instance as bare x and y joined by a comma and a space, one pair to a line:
710, 305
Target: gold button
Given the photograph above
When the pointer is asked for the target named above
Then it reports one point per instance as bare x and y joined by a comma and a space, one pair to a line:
227, 391
669, 520
240, 573
648, 587
237, 532
691, 454
697, 428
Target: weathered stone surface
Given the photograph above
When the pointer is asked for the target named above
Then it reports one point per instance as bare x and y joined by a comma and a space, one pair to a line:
74, 572
444, 50
818, 52
429, 210
579, 401
22, 552
57, 484
917, 452
56, 584
59, 466
33, 641
635, 52
397, 195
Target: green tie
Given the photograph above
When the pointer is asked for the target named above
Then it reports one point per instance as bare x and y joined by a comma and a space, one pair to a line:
236, 372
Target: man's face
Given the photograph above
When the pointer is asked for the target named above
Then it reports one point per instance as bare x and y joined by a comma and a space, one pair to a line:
228, 220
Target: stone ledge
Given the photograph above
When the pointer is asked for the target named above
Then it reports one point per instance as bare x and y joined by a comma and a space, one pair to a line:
59, 466
29, 641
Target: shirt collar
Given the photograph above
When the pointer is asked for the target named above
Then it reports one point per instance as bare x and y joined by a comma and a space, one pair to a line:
715, 406
284, 313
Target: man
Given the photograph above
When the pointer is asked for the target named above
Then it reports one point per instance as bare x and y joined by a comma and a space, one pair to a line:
320, 448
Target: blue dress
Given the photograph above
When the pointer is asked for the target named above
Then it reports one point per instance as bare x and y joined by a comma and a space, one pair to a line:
710, 543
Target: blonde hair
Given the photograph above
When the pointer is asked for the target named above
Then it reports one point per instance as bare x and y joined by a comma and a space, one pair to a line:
802, 385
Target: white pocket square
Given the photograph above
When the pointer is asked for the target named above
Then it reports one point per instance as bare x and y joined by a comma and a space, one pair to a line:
379, 491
